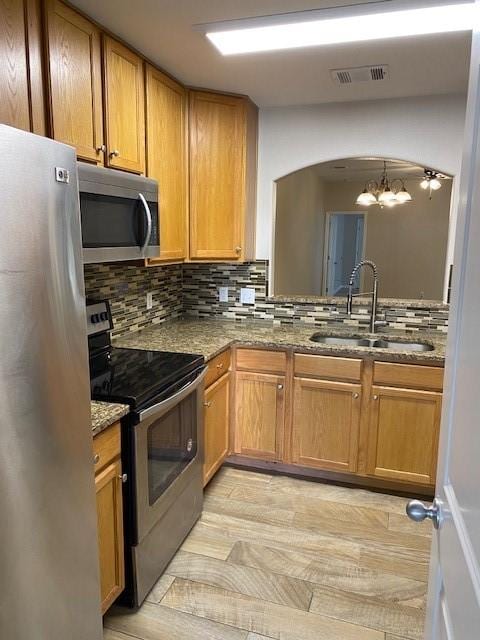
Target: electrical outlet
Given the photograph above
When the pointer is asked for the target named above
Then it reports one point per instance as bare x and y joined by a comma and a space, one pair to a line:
247, 295
223, 294
149, 300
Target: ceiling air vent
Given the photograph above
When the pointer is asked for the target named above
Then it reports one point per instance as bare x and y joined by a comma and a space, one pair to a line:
360, 74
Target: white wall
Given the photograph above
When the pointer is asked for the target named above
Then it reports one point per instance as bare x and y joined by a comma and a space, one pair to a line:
427, 131
299, 243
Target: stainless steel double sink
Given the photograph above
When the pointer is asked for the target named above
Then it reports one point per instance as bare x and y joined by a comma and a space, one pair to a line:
376, 343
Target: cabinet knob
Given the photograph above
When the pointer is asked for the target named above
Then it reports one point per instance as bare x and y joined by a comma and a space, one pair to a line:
207, 404
238, 249
356, 396
96, 458
115, 153
220, 365
123, 477
279, 387
101, 148
375, 397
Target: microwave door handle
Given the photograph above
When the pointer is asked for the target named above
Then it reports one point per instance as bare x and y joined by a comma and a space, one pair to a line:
148, 215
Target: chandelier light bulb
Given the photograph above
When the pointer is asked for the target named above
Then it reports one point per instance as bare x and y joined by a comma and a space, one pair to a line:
403, 195
386, 196
425, 183
435, 184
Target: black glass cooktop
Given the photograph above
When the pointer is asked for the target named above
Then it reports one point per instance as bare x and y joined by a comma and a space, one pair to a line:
138, 377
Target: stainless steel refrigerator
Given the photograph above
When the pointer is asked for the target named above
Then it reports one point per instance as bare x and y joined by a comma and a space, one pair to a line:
49, 575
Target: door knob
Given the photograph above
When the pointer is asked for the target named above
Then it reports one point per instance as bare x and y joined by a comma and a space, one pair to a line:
418, 512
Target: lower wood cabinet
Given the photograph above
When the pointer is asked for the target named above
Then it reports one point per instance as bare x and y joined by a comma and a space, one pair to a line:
216, 429
108, 486
326, 423
403, 434
259, 415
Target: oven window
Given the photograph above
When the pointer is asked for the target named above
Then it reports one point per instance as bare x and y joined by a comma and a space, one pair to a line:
172, 445
111, 221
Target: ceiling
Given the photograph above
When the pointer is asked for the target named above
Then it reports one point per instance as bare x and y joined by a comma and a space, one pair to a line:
163, 31
351, 169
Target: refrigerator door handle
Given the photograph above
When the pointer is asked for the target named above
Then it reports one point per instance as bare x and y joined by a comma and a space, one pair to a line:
148, 215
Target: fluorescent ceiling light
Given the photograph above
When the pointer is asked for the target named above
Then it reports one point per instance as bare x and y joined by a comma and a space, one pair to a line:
352, 28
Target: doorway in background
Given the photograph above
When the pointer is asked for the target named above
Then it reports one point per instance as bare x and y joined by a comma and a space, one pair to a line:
345, 239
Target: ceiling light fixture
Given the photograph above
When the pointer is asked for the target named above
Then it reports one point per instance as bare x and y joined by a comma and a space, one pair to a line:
431, 181
385, 193
338, 25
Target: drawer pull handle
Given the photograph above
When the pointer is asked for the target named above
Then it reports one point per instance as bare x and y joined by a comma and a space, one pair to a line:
96, 458
123, 477
207, 404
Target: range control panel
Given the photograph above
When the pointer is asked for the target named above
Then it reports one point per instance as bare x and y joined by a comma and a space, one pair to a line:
99, 317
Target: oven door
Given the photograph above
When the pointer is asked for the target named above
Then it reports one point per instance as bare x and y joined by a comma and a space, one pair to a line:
123, 226
168, 453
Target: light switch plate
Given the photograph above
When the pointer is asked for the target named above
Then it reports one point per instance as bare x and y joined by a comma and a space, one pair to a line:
149, 300
247, 295
223, 294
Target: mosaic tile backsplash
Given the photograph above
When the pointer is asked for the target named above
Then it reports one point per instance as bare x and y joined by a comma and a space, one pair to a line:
126, 288
193, 289
200, 298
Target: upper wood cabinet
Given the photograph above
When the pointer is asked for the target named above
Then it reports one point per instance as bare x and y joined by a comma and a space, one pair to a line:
75, 81
167, 160
124, 94
259, 415
403, 434
22, 102
326, 423
223, 153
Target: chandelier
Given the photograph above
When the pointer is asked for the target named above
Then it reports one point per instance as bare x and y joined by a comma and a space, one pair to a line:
385, 192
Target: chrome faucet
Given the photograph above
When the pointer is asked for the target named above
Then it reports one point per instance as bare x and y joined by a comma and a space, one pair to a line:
373, 317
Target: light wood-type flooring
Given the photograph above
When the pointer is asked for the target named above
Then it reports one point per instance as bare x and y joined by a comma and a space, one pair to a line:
275, 557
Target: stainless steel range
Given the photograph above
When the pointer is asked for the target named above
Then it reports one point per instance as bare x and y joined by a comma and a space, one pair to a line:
162, 451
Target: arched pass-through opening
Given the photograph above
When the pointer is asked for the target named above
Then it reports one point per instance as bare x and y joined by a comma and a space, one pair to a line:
321, 228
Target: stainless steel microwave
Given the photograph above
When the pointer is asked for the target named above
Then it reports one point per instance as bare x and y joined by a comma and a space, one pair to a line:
119, 213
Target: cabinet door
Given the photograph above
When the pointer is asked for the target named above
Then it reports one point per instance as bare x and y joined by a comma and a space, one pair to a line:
216, 426
75, 81
167, 160
21, 75
403, 434
326, 421
110, 533
124, 107
259, 415
217, 175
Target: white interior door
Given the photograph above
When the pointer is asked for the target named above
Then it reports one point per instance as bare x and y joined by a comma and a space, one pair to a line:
454, 595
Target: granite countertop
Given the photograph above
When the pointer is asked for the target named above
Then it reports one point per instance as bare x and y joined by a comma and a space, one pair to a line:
105, 414
209, 337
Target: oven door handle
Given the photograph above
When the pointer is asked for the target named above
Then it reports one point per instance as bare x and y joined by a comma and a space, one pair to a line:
182, 393
148, 215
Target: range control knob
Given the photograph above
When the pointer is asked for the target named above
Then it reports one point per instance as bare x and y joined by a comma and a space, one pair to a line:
104, 316
95, 317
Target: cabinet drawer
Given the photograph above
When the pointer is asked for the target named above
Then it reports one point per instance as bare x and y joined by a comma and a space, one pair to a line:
106, 446
262, 360
408, 376
217, 367
328, 367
